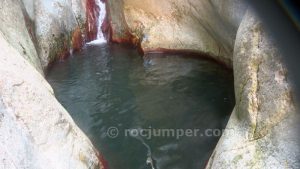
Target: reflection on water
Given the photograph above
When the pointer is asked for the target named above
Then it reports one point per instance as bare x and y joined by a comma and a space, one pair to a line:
105, 86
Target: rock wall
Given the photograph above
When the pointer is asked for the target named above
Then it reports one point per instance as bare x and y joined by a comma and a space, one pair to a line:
35, 130
196, 25
63, 25
14, 29
115, 26
50, 29
91, 23
263, 129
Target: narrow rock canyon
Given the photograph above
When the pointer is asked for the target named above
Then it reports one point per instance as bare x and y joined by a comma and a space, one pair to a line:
222, 39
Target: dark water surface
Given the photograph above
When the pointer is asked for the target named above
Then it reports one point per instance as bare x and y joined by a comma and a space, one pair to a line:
112, 86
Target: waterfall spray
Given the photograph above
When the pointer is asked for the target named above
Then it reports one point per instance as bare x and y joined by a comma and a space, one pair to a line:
100, 37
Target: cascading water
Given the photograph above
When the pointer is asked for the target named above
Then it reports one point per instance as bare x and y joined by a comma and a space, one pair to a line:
100, 37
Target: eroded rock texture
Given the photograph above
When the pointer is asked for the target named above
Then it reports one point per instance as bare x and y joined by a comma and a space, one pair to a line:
198, 25
35, 130
49, 28
57, 23
262, 130
13, 26
115, 26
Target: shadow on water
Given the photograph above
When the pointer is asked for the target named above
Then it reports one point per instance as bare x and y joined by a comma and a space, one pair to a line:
112, 86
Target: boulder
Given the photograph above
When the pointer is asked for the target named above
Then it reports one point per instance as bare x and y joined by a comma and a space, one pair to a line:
61, 26
16, 30
263, 129
35, 130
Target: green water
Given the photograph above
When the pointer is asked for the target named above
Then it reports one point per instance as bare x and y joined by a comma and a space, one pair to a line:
112, 86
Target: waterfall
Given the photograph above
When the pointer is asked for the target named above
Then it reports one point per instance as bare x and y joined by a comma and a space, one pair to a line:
100, 37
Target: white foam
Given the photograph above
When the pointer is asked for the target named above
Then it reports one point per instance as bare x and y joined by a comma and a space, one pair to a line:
100, 37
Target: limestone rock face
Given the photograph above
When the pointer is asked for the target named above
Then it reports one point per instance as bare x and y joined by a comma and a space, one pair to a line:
198, 25
263, 129
61, 26
55, 21
115, 25
14, 29
35, 130
92, 19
